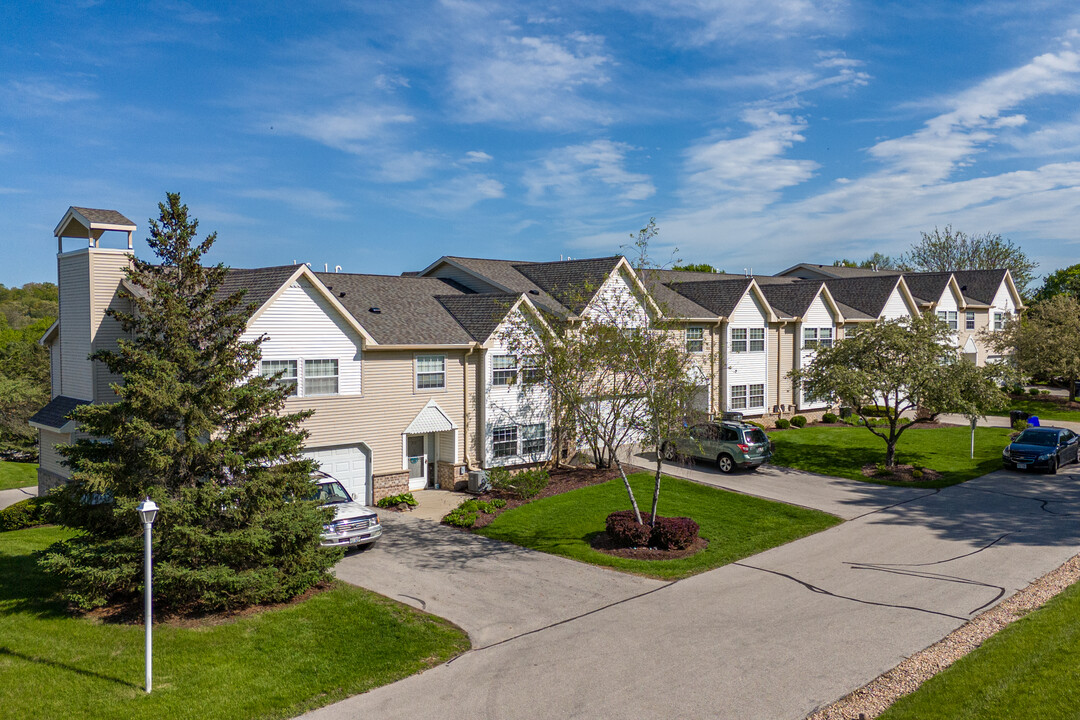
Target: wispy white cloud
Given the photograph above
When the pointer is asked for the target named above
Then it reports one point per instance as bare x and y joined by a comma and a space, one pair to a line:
33, 96
305, 200
591, 172
346, 128
457, 194
477, 156
531, 81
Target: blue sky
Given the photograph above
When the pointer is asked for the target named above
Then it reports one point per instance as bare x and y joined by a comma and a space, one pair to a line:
379, 136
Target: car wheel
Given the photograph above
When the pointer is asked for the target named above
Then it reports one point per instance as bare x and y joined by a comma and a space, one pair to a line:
726, 463
1052, 467
667, 451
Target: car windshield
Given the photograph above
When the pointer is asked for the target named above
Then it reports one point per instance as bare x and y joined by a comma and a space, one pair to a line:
755, 436
1029, 437
332, 493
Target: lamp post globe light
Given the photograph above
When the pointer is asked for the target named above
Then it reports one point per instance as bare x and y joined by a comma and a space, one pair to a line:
148, 511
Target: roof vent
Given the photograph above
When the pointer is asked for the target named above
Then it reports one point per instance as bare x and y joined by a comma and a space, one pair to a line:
341, 294
375, 310
963, 288
534, 292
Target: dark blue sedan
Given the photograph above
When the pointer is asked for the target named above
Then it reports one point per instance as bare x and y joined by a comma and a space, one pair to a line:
1042, 448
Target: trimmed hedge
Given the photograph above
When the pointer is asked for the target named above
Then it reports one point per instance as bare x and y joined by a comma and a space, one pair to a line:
829, 418
23, 514
783, 424
669, 533
799, 421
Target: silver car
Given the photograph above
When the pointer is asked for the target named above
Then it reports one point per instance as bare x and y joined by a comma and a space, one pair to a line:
354, 524
731, 444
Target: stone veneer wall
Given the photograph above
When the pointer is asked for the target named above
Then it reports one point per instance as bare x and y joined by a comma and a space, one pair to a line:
387, 485
446, 474
47, 480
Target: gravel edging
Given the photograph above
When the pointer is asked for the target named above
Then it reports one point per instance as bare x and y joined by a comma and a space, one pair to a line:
874, 698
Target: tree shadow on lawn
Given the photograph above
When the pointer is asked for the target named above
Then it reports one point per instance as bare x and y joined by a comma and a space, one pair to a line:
26, 589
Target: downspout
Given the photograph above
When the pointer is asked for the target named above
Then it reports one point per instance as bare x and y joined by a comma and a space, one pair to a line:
715, 363
465, 404
779, 360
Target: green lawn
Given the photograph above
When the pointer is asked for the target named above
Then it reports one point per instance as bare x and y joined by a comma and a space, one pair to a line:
735, 525
275, 664
842, 451
16, 475
1045, 408
1031, 669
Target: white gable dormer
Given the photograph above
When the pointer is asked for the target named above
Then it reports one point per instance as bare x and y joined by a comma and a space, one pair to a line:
747, 355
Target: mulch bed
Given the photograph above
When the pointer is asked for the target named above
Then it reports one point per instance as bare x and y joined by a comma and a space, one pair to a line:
132, 614
603, 543
901, 473
561, 481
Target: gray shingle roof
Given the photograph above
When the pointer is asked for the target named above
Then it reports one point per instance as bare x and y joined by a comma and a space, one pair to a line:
105, 217
867, 294
663, 285
410, 310
836, 271
258, 284
55, 413
479, 314
927, 287
791, 299
980, 286
717, 296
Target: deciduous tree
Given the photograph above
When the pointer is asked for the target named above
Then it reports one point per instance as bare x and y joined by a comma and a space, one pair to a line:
1044, 341
949, 249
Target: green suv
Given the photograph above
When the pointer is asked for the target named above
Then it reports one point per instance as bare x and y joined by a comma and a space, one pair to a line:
731, 444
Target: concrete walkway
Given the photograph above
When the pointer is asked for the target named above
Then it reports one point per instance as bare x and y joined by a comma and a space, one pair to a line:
1003, 422
772, 636
10, 497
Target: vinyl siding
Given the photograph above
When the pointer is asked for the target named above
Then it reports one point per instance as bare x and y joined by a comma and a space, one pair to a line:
817, 316
895, 307
49, 459
388, 405
55, 368
617, 302
73, 273
107, 270
301, 325
747, 368
788, 345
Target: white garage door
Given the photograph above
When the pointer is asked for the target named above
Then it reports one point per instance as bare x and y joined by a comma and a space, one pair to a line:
347, 463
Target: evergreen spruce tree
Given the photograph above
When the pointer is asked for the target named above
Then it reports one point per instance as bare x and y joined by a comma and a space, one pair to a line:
198, 430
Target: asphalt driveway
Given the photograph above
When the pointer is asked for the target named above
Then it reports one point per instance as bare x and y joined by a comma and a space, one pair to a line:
774, 635
14, 495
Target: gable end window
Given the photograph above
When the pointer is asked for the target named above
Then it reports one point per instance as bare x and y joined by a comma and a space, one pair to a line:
430, 372
969, 320
530, 370
825, 337
738, 340
757, 339
287, 368
999, 320
695, 339
503, 369
948, 317
320, 377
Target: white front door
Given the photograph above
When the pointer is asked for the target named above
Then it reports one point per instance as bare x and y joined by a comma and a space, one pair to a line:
348, 464
417, 461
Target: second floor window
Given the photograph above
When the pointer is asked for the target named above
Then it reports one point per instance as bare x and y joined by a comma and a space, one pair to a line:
969, 320
757, 339
287, 368
738, 340
949, 318
503, 369
320, 377
530, 370
430, 372
999, 320
695, 339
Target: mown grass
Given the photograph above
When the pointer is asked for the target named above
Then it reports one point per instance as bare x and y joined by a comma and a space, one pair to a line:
736, 526
274, 664
17, 475
1031, 669
1044, 407
843, 451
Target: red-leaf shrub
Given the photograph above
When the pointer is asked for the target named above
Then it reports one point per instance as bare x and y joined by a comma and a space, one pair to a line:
624, 529
674, 533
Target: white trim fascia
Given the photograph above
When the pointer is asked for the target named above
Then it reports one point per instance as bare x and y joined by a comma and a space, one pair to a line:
523, 299
838, 317
961, 302
54, 329
68, 427
1017, 300
770, 314
905, 292
73, 214
424, 348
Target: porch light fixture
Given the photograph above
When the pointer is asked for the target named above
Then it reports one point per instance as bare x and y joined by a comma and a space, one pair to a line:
148, 511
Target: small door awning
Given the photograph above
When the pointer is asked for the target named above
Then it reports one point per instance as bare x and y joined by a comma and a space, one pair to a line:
430, 419
54, 416
969, 346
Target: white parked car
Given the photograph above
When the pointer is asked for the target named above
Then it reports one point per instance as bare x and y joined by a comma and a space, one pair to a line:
354, 523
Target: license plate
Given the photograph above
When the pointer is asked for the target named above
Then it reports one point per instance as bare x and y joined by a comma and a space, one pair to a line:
1021, 466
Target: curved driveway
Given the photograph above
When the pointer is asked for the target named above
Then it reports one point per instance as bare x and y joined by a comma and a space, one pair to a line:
772, 636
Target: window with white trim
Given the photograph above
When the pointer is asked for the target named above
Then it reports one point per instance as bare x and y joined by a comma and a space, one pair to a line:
757, 339
757, 395
287, 368
695, 339
825, 337
948, 317
534, 439
738, 340
504, 441
321, 377
430, 372
999, 320
530, 370
969, 320
738, 397
503, 369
